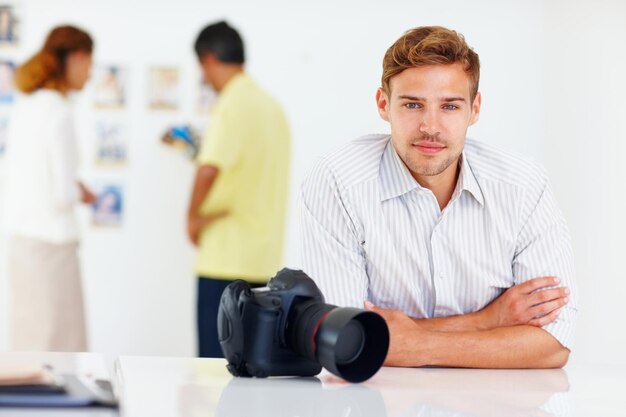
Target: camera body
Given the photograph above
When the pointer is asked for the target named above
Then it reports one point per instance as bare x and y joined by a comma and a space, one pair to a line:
262, 316
286, 329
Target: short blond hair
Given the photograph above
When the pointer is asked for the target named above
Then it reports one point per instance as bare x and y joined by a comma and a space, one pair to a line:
430, 45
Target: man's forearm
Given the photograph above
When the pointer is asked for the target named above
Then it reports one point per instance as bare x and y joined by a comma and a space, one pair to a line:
517, 346
504, 347
519, 305
205, 176
462, 323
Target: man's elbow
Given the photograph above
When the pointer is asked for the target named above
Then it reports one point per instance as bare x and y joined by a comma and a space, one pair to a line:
557, 359
554, 354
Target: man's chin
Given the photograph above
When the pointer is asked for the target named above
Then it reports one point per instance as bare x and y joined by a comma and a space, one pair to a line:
430, 167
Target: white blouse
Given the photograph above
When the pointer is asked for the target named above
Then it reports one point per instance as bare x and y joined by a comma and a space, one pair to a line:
41, 187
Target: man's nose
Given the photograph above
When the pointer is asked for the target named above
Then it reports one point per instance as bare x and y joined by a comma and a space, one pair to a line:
429, 124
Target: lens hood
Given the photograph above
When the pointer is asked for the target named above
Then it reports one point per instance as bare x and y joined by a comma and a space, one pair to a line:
352, 343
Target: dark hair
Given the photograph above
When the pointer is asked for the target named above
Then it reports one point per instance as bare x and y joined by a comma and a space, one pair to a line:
46, 69
223, 41
430, 45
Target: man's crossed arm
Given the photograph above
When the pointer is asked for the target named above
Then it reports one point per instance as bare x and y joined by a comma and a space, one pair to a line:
505, 334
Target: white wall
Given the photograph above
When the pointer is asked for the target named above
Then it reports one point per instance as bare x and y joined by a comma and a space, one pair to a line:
584, 143
550, 90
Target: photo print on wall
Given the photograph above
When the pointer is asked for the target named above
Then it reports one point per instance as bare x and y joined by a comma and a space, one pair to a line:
111, 144
3, 133
9, 25
108, 209
206, 98
110, 86
163, 88
7, 86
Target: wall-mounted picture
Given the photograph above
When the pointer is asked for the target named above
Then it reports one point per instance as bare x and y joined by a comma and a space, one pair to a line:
110, 86
108, 210
9, 25
163, 88
111, 144
7, 87
3, 133
206, 98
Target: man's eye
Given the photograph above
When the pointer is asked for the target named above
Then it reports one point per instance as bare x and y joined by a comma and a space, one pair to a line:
450, 107
411, 105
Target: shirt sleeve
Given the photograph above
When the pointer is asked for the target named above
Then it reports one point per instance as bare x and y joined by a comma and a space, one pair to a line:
221, 145
64, 163
544, 249
330, 249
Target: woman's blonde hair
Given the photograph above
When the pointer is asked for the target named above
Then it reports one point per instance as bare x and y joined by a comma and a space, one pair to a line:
430, 45
46, 69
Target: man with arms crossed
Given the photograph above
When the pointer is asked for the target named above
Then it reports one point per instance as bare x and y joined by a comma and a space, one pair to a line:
459, 246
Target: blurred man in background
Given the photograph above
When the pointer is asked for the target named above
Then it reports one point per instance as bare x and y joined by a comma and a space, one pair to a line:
238, 205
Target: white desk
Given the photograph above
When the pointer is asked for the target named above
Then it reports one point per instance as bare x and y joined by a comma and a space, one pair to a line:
188, 387
154, 387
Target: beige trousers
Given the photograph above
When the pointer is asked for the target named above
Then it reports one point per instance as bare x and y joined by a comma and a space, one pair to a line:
46, 297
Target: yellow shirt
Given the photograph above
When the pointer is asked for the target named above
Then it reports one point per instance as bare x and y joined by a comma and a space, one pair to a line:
248, 140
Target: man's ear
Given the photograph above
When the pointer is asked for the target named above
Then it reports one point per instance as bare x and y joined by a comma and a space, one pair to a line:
382, 102
476, 108
207, 58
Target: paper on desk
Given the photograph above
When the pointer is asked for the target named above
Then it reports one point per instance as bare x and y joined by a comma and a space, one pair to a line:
25, 374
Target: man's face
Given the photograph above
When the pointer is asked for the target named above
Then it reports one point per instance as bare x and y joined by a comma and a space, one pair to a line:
207, 63
429, 110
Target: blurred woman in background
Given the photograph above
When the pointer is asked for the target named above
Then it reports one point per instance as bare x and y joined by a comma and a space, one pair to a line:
42, 190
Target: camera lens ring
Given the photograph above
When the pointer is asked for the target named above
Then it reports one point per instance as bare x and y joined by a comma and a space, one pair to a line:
308, 317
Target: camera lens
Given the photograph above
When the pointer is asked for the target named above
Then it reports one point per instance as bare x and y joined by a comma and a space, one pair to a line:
349, 342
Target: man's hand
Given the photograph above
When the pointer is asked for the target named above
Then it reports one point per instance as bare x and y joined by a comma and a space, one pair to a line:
195, 224
403, 334
533, 303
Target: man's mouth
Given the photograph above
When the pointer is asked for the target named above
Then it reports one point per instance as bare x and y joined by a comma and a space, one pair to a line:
429, 148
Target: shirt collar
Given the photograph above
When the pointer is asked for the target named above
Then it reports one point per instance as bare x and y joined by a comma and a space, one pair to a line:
233, 83
467, 181
396, 180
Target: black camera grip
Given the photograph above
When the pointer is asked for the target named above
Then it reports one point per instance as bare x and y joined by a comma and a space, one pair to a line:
230, 327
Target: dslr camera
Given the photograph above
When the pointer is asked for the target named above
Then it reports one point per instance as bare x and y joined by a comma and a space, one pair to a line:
286, 329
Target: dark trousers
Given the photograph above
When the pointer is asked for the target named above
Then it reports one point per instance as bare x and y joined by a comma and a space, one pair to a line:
209, 293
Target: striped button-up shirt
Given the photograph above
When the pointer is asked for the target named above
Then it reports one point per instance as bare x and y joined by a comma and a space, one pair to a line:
369, 231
